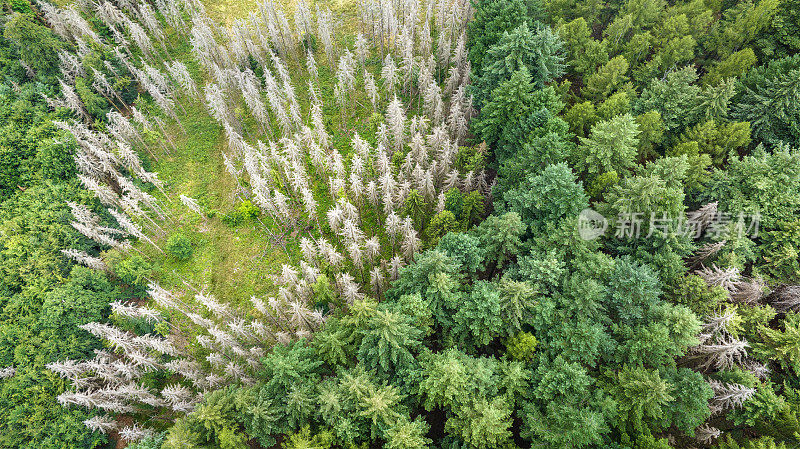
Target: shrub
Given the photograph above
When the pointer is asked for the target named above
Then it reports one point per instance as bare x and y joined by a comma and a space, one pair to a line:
180, 247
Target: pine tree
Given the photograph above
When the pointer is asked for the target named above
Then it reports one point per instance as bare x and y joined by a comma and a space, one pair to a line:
539, 51
610, 147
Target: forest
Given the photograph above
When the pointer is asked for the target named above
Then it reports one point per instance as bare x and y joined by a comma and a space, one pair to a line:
401, 224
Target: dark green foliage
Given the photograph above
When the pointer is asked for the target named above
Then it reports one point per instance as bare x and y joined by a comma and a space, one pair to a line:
492, 19
500, 237
782, 38
671, 97
536, 153
769, 101
388, 337
538, 50
36, 44
509, 109
42, 301
30, 151
560, 414
516, 114
544, 199
463, 248
478, 320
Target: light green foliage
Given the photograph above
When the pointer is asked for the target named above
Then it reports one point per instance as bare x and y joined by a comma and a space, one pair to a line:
783, 344
483, 425
407, 434
676, 52
764, 183
611, 146
441, 224
95, 104
617, 104
521, 346
213, 423
134, 272
781, 251
762, 443
641, 396
742, 24
718, 140
468, 387
606, 79
452, 378
581, 117
42, 301
735, 65
601, 185
517, 301
651, 132
179, 246
693, 292
150, 442
585, 53
303, 439
244, 211
472, 209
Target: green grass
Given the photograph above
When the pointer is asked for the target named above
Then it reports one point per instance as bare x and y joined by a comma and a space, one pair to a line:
232, 262
227, 11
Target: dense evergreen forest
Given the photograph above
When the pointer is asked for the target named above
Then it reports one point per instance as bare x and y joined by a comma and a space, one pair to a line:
406, 224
